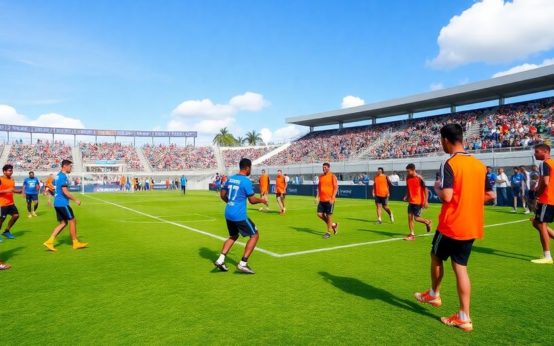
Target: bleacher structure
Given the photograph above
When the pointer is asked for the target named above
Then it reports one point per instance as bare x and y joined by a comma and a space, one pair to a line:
411, 137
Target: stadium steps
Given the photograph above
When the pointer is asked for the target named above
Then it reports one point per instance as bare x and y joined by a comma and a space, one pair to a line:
269, 155
474, 129
143, 160
5, 154
219, 159
77, 158
364, 154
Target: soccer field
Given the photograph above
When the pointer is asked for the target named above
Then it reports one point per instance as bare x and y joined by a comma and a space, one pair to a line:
148, 278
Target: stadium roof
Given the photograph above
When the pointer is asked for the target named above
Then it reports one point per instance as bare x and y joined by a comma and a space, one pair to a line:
517, 84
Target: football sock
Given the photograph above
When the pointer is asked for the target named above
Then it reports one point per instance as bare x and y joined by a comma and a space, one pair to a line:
432, 293
463, 316
547, 254
29, 207
243, 264
36, 207
221, 259
245, 259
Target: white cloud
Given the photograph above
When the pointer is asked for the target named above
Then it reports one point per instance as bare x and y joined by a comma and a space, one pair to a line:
208, 117
436, 86
266, 135
249, 101
287, 133
9, 115
495, 31
523, 67
352, 101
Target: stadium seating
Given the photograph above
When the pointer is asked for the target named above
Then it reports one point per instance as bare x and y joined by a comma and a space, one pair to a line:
233, 156
176, 158
112, 151
42, 156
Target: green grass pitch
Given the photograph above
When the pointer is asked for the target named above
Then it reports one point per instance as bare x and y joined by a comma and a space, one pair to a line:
147, 280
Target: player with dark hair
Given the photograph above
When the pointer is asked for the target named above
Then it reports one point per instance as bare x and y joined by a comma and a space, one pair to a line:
463, 189
31, 187
327, 189
64, 212
545, 198
7, 204
416, 196
235, 192
381, 193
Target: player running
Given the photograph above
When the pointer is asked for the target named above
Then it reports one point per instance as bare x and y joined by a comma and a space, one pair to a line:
49, 188
545, 207
381, 194
327, 189
463, 189
264, 188
235, 192
416, 196
64, 212
183, 183
31, 187
7, 204
281, 191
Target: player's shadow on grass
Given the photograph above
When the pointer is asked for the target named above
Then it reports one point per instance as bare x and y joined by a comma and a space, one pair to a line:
385, 233
307, 230
6, 255
367, 291
358, 219
20, 233
502, 253
211, 255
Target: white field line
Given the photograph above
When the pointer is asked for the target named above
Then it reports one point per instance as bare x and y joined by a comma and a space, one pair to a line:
180, 225
288, 254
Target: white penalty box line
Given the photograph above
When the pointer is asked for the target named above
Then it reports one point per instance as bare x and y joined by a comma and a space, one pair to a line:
271, 253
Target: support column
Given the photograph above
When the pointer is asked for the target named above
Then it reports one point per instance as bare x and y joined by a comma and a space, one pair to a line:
501, 101
311, 129
341, 125
373, 121
452, 108
411, 115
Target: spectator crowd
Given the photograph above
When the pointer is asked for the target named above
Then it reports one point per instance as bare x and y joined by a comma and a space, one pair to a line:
176, 158
112, 152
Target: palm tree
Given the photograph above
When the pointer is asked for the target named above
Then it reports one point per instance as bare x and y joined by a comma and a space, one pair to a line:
224, 138
253, 137
240, 141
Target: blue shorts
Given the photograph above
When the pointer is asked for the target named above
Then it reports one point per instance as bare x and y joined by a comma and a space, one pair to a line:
64, 213
246, 228
516, 192
414, 209
31, 198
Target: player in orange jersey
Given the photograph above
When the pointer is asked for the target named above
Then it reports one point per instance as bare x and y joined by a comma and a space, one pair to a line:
264, 188
416, 196
327, 189
544, 213
464, 189
7, 205
49, 188
381, 193
281, 191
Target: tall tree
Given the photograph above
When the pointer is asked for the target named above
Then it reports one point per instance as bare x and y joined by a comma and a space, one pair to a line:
253, 137
240, 141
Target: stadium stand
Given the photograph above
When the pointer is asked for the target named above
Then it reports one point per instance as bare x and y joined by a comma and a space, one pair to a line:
112, 151
41, 156
176, 158
232, 156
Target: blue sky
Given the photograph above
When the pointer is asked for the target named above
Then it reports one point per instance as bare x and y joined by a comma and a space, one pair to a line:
201, 65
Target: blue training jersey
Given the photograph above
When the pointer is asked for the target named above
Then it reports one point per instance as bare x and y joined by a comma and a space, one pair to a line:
492, 178
239, 188
183, 181
30, 186
516, 179
60, 200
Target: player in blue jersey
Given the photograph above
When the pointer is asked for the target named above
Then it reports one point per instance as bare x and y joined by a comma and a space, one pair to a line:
184, 184
235, 192
31, 187
64, 212
517, 181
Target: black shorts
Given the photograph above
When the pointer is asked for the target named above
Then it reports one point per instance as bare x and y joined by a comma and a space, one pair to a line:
458, 250
414, 209
516, 192
544, 213
64, 213
8, 210
31, 198
381, 200
532, 195
280, 194
246, 228
325, 208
